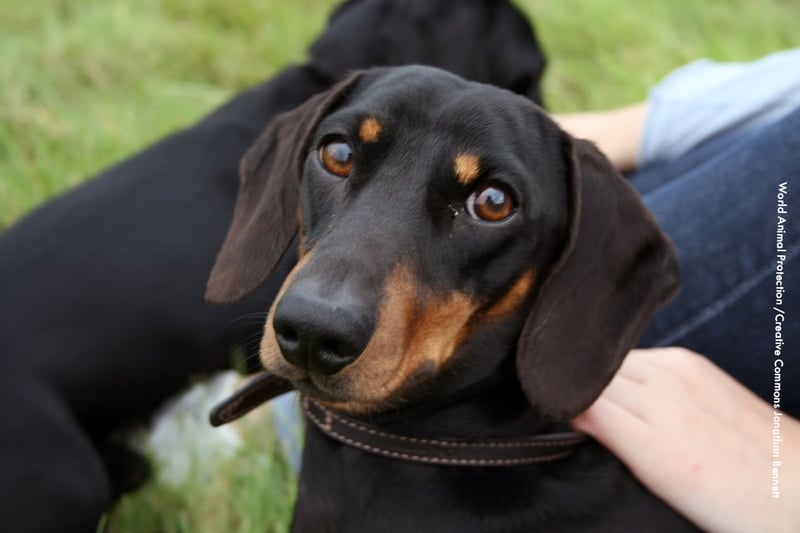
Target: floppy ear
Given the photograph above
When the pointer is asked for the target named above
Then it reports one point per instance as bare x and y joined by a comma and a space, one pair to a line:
265, 217
615, 270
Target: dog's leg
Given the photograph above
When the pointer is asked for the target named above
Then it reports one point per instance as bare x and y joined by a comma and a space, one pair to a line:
52, 492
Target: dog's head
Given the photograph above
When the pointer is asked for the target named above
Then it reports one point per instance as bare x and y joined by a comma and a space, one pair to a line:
440, 219
489, 41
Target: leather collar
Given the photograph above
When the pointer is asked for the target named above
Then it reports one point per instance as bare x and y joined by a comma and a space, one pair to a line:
445, 452
259, 390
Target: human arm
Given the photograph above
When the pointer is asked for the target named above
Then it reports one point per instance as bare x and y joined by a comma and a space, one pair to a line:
617, 132
699, 440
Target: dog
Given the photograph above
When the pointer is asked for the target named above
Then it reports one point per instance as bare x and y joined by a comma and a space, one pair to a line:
469, 279
102, 288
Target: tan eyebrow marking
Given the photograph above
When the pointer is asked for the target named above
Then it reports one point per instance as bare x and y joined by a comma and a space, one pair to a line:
370, 130
467, 167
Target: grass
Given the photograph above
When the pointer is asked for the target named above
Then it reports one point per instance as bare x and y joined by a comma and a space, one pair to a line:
83, 83
251, 492
86, 82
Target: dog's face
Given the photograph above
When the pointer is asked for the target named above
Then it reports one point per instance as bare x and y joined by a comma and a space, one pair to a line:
420, 220
440, 219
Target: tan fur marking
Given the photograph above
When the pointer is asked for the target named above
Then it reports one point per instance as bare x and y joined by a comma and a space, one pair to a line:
432, 335
368, 378
301, 246
269, 351
410, 341
467, 167
438, 329
370, 130
413, 338
514, 297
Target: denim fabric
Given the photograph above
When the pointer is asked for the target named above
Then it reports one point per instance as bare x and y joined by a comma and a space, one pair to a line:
718, 204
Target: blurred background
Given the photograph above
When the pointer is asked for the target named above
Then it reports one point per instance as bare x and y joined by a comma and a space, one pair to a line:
84, 83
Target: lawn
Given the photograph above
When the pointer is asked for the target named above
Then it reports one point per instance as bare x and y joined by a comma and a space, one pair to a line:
84, 83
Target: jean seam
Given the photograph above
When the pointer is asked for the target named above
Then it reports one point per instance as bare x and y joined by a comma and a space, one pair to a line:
714, 309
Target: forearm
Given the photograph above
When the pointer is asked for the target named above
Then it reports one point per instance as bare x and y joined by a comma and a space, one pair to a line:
616, 132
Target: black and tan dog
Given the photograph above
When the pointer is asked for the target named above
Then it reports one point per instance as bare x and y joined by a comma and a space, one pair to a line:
101, 289
468, 274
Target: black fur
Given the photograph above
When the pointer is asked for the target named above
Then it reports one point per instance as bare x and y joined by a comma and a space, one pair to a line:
102, 288
601, 269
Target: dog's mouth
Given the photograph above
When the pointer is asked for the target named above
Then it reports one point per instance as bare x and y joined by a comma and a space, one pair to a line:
355, 396
319, 391
413, 338
359, 387
342, 392
368, 387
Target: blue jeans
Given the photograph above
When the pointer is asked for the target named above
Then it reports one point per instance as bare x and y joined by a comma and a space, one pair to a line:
719, 205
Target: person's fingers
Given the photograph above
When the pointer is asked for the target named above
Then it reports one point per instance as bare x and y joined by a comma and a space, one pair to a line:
634, 368
676, 362
693, 435
685, 365
706, 381
633, 396
614, 426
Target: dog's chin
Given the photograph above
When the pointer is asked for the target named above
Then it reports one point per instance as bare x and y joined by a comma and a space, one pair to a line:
340, 395
354, 390
333, 391
334, 394
311, 388
353, 398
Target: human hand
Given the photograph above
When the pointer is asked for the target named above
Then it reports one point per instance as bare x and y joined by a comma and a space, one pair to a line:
699, 440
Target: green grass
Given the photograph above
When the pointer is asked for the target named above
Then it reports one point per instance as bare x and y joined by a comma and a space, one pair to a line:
252, 492
609, 52
85, 82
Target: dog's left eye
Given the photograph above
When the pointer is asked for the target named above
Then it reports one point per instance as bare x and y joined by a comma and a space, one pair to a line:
493, 203
337, 157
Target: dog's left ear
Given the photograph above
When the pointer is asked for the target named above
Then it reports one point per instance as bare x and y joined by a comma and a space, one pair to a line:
615, 270
265, 217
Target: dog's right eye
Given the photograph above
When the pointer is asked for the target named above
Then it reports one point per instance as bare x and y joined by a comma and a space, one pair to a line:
492, 203
337, 157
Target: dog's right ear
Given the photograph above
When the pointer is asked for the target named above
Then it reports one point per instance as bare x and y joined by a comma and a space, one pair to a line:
616, 269
265, 217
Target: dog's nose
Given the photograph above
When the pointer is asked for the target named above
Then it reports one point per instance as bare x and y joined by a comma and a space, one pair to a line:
318, 334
